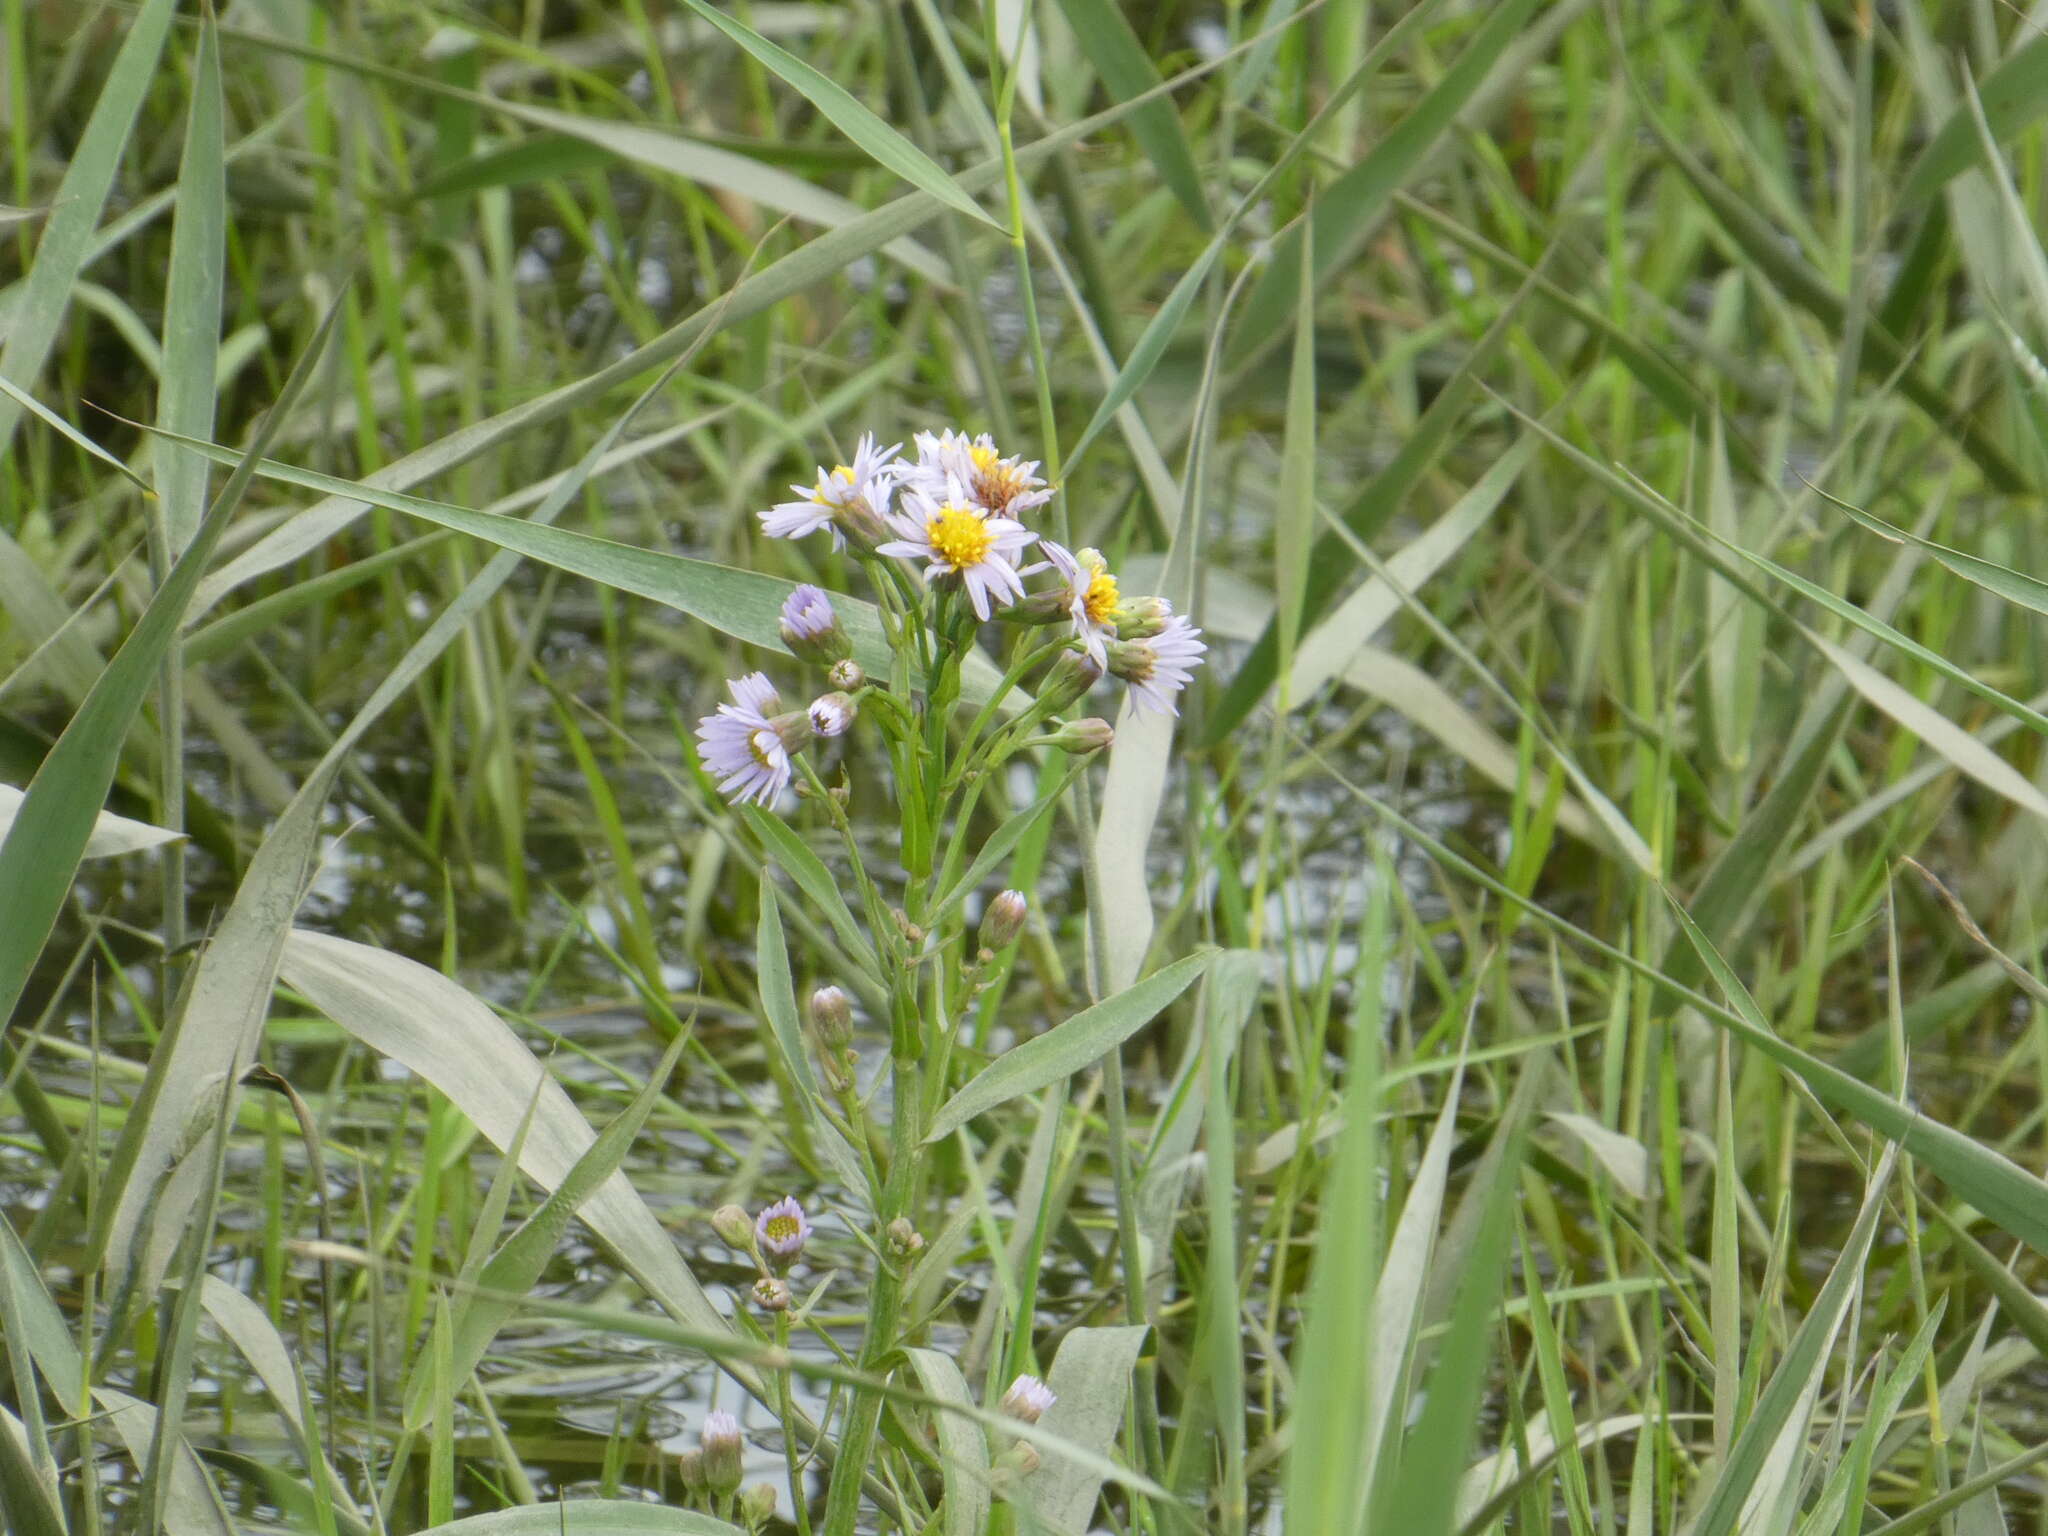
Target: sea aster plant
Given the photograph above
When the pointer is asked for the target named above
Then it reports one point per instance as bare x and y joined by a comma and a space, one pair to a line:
1027, 1399
850, 499
781, 1230
1006, 485
1089, 598
746, 744
956, 538
1160, 667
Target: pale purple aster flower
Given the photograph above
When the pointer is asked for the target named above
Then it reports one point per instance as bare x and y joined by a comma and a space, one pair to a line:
1090, 597
1003, 485
1027, 1399
782, 1230
745, 745
832, 714
1160, 667
849, 498
810, 627
724, 1452
957, 538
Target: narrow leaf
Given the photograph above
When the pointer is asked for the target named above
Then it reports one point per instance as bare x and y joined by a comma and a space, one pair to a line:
1065, 1049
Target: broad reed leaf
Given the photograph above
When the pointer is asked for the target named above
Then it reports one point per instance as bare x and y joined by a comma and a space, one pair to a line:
111, 835
587, 1517
741, 603
1091, 1378
963, 1448
1067, 1048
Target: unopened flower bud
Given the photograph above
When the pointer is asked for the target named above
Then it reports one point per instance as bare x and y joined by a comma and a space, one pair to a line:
723, 1451
838, 1068
832, 1017
1022, 1459
690, 1467
1068, 680
832, 714
905, 1242
1003, 920
1081, 737
1142, 618
771, 1293
757, 1505
1027, 1399
847, 675
811, 629
780, 1233
735, 1228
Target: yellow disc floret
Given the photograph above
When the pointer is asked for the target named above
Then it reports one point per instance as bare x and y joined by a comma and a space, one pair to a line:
832, 487
1101, 597
960, 537
782, 1228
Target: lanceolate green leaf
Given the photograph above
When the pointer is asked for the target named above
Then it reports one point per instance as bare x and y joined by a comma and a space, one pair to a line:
1067, 1048
192, 299
889, 147
75, 211
2014, 94
741, 603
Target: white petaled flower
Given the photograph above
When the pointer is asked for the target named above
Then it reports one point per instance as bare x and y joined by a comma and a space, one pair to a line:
956, 538
1027, 1399
746, 744
832, 714
1090, 597
848, 498
1003, 484
1160, 667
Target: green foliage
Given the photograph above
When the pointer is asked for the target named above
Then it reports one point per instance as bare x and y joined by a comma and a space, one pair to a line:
1476, 1071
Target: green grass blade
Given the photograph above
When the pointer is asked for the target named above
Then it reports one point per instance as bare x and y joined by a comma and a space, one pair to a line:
1091, 1378
889, 148
1795, 1385
963, 1449
1124, 67
1067, 1048
1347, 209
75, 210
2014, 94
587, 1517
192, 299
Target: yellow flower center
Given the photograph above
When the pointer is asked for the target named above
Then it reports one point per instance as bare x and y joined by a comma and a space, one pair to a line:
985, 458
960, 537
1101, 598
782, 1228
831, 486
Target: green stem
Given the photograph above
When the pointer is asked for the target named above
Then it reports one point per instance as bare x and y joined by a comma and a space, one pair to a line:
783, 1408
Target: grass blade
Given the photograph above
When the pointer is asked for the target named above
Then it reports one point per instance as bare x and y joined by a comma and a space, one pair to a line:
889, 147
1066, 1048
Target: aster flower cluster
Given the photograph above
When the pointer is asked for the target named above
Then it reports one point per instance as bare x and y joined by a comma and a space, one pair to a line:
948, 538
954, 517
